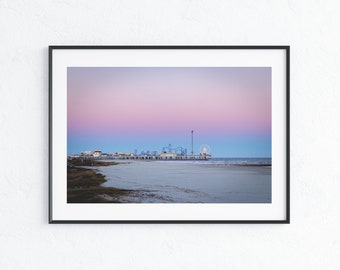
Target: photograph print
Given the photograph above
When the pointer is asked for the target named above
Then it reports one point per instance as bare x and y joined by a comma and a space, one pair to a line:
196, 136
169, 135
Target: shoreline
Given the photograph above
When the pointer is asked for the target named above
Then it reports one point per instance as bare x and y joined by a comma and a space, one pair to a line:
108, 162
99, 181
178, 182
84, 185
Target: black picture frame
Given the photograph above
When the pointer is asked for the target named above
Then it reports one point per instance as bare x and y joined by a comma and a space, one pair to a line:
55, 56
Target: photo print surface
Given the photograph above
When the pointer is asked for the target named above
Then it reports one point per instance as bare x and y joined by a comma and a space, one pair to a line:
169, 135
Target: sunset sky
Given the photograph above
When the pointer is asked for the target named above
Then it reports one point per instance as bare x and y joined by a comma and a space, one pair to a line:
146, 108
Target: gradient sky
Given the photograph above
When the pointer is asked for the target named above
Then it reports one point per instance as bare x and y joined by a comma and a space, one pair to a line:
145, 108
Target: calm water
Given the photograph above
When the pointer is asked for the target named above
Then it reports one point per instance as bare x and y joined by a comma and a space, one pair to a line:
213, 181
232, 161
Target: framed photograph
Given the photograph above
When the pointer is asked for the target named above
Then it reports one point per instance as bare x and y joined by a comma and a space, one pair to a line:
169, 134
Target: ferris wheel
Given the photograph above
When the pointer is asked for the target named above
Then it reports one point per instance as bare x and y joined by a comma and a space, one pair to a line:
204, 150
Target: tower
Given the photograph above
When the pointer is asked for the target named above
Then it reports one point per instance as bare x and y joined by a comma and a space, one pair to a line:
192, 142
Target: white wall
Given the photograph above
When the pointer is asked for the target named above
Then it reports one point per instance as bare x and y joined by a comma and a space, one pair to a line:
311, 241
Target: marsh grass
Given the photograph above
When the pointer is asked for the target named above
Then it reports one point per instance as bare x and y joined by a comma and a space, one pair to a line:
84, 186
90, 162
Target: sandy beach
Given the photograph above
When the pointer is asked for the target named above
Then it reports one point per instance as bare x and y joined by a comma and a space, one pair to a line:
132, 181
190, 182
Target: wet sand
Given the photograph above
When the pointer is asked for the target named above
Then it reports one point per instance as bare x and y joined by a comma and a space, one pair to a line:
183, 182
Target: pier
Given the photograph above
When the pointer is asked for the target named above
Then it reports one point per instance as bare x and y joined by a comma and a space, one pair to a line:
159, 157
168, 153
144, 157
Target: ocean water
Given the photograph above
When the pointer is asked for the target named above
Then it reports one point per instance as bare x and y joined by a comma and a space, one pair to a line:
228, 161
212, 181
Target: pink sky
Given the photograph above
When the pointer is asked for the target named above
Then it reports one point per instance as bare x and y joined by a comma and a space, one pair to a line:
219, 102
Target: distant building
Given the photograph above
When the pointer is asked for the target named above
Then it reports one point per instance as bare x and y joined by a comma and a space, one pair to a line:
96, 153
86, 153
166, 155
